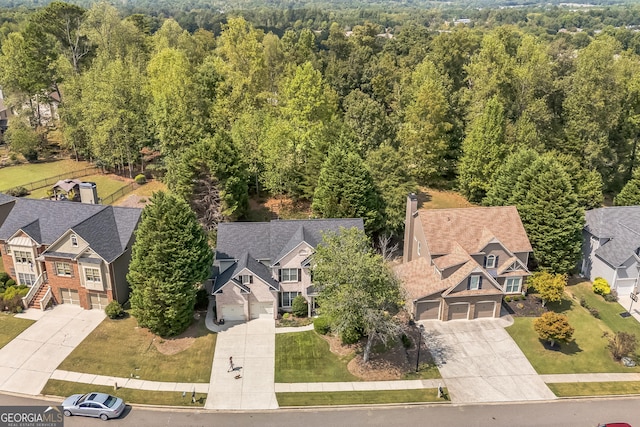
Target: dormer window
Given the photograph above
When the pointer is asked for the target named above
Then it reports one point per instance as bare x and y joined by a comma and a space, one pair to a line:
247, 279
475, 283
74, 241
491, 261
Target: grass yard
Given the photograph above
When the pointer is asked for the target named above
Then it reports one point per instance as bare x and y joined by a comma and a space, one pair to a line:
165, 398
145, 190
106, 185
430, 198
305, 357
120, 348
13, 176
11, 327
1, 265
358, 397
595, 389
588, 352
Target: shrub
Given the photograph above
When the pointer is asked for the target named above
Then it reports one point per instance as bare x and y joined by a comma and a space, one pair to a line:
321, 325
594, 312
9, 283
4, 277
583, 303
18, 192
600, 286
350, 336
406, 342
507, 299
140, 179
13, 291
286, 316
202, 299
622, 344
114, 310
611, 296
299, 306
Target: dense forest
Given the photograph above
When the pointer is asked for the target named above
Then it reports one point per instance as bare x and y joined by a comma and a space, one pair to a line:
540, 110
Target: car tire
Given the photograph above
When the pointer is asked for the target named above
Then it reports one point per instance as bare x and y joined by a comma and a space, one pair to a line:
67, 413
104, 417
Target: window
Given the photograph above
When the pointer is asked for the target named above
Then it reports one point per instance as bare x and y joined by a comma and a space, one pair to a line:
7, 250
491, 261
23, 257
26, 279
289, 275
247, 279
63, 269
92, 275
286, 298
512, 284
418, 248
475, 282
74, 241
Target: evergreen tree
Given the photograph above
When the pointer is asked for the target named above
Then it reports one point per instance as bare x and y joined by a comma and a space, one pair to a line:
169, 259
630, 194
346, 190
483, 151
507, 176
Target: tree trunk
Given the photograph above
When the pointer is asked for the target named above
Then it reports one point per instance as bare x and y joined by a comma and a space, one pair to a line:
552, 342
367, 348
544, 302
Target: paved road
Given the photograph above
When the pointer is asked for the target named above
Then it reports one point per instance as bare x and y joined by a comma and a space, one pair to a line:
558, 413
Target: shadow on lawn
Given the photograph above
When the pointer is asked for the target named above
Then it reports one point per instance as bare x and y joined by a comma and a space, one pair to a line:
561, 306
564, 348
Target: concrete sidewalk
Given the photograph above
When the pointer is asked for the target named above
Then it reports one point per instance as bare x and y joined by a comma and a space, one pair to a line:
133, 383
358, 386
27, 362
591, 378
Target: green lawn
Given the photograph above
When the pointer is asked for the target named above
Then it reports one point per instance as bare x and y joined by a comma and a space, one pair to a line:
11, 327
588, 352
119, 348
595, 389
13, 176
435, 199
166, 398
145, 191
305, 357
1, 265
358, 397
106, 185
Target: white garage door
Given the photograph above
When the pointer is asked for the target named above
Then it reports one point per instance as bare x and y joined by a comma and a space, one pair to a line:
98, 301
232, 312
70, 296
428, 310
625, 287
261, 309
459, 311
484, 309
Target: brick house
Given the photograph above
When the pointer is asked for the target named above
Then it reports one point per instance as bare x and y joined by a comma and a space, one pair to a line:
458, 263
262, 266
71, 253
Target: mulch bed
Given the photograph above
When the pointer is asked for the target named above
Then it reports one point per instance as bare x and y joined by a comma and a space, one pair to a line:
530, 306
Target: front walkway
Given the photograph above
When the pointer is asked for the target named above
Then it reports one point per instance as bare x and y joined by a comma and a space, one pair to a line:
27, 362
358, 386
252, 346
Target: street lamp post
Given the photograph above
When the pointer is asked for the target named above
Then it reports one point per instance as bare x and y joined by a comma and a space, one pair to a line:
420, 330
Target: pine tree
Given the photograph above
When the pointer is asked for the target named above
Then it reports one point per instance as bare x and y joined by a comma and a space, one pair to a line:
169, 259
346, 190
630, 193
506, 177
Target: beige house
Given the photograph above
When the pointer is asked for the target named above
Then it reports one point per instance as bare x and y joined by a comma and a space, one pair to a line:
458, 263
262, 266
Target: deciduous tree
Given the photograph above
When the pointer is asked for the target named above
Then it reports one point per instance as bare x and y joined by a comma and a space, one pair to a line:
549, 286
553, 327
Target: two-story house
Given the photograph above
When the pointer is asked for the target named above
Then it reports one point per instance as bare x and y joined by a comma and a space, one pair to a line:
458, 263
262, 266
71, 253
611, 247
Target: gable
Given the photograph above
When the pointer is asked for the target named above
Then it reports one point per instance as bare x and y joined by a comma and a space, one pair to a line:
69, 243
296, 256
485, 282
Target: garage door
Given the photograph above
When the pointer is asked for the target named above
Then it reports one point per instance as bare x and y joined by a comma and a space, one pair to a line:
625, 287
232, 312
459, 311
98, 301
428, 310
484, 309
70, 296
261, 309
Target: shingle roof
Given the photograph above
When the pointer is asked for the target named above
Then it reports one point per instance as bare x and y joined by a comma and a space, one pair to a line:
246, 261
272, 240
472, 228
107, 229
620, 224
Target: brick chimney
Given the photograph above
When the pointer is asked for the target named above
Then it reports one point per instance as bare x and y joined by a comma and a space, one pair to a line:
412, 208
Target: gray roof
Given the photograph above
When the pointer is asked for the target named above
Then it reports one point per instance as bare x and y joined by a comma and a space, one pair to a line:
245, 261
107, 229
273, 240
621, 226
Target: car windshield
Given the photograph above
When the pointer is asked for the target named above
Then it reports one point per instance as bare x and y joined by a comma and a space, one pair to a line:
110, 402
82, 399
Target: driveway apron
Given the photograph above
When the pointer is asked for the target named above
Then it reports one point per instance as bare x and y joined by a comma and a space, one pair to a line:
27, 362
252, 346
479, 362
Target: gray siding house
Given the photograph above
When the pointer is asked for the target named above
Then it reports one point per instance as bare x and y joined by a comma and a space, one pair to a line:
610, 246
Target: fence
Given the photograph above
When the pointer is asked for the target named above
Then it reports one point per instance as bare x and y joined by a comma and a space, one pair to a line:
116, 195
52, 180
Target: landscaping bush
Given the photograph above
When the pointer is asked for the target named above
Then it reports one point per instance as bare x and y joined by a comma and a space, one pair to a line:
611, 296
622, 344
286, 316
350, 336
12, 298
600, 286
406, 342
299, 306
583, 303
594, 312
114, 310
4, 277
140, 179
18, 192
507, 299
9, 283
202, 299
321, 325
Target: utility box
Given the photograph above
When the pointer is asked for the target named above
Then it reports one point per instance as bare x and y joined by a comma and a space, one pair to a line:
88, 193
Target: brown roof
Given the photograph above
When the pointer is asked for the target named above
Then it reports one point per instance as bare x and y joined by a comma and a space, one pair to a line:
473, 228
451, 260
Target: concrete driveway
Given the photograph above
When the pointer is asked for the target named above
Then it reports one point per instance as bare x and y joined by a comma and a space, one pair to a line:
479, 362
252, 346
27, 362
